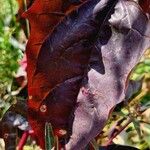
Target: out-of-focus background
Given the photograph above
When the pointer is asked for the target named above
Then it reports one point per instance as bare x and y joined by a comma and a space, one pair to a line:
12, 46
132, 118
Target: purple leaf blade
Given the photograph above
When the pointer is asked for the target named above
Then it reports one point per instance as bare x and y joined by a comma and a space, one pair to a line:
129, 38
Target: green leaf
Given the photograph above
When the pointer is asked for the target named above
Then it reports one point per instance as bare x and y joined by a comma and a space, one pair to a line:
49, 136
136, 124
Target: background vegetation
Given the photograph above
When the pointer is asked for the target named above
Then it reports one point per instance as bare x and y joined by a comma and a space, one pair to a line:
132, 118
10, 52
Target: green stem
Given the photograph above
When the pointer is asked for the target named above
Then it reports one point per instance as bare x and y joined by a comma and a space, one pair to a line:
27, 22
48, 144
118, 132
11, 7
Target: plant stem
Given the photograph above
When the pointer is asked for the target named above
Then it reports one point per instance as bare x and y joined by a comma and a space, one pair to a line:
27, 22
48, 136
23, 140
118, 132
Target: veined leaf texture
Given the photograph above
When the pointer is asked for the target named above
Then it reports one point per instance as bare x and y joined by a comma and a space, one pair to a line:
79, 56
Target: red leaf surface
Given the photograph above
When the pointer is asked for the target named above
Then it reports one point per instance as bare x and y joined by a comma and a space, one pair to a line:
67, 51
145, 4
43, 16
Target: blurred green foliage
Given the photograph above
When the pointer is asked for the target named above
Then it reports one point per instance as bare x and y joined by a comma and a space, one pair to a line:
10, 54
9, 29
8, 8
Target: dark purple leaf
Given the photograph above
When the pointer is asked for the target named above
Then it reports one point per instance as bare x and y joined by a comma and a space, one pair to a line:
15, 119
128, 31
62, 63
133, 88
